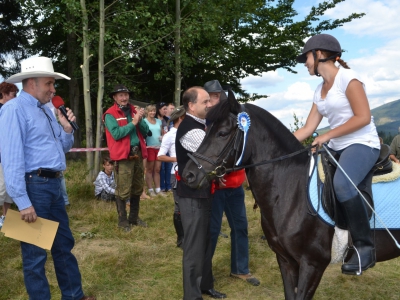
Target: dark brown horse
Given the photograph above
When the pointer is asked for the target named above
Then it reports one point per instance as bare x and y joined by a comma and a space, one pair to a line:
301, 241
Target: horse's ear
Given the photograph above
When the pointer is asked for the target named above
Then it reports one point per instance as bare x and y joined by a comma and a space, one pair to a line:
235, 107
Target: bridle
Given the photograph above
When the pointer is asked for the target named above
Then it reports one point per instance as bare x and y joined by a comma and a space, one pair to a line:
230, 148
220, 168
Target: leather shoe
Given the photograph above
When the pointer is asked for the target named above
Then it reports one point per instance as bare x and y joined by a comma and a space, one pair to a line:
214, 294
88, 298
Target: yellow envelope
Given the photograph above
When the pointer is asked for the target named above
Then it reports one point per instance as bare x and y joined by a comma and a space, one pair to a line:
41, 233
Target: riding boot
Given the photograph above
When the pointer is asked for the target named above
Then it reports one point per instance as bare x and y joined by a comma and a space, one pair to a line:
134, 212
356, 218
121, 209
178, 229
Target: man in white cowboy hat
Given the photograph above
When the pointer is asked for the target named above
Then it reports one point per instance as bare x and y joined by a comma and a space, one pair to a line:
125, 129
33, 145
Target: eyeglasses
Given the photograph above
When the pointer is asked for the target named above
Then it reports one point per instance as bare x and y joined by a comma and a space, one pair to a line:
162, 104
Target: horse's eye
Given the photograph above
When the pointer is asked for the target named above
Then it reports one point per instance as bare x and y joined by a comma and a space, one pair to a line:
222, 134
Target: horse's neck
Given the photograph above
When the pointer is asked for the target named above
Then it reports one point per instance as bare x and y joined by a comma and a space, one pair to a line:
279, 185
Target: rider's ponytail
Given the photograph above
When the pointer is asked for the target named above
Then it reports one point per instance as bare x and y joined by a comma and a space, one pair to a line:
342, 63
334, 57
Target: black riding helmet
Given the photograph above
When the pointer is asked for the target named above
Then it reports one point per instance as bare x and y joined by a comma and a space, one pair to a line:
320, 42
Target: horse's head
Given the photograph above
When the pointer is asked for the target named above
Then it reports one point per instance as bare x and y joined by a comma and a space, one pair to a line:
220, 147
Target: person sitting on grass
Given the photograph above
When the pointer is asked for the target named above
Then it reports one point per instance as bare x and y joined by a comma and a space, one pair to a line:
104, 186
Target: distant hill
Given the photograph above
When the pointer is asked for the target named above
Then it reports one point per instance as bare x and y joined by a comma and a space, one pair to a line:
386, 117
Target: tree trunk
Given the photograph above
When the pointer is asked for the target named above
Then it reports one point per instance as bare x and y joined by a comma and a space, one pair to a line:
100, 92
73, 83
177, 92
86, 93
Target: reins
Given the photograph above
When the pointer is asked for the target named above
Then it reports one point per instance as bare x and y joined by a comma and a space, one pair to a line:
264, 162
221, 170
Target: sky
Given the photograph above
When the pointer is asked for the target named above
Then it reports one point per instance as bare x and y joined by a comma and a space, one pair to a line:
372, 46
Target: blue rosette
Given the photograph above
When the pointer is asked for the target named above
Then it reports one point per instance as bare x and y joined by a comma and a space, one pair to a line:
244, 122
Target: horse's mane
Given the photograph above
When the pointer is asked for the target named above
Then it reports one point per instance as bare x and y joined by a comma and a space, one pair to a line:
219, 112
267, 121
278, 130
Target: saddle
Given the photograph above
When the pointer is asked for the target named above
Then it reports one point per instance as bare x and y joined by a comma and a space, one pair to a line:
328, 199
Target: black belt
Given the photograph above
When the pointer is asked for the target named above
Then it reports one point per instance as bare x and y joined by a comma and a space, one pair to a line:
47, 173
134, 152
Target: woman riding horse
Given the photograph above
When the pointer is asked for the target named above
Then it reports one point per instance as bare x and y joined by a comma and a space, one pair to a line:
341, 98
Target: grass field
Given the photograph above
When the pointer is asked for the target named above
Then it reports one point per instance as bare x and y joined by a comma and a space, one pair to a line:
146, 264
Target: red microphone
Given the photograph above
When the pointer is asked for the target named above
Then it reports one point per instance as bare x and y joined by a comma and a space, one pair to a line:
58, 103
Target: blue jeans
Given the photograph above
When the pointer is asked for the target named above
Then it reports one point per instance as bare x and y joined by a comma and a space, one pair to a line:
357, 161
232, 202
165, 176
48, 202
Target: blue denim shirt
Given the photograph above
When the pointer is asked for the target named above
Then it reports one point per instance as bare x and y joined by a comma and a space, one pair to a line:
30, 138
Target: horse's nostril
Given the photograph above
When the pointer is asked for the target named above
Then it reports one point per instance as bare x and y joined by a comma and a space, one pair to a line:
190, 177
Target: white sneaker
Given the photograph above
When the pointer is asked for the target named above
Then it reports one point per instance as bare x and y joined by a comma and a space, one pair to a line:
152, 194
162, 194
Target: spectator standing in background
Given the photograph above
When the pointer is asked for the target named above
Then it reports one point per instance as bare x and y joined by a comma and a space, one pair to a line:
170, 110
165, 179
168, 147
229, 198
125, 129
163, 113
153, 145
8, 91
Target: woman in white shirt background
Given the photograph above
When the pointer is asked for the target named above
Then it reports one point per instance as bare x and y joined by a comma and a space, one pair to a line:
168, 146
342, 99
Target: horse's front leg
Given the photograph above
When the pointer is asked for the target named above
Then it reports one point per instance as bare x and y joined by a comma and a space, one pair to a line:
290, 276
309, 279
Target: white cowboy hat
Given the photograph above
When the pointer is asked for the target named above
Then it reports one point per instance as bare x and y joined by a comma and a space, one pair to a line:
36, 67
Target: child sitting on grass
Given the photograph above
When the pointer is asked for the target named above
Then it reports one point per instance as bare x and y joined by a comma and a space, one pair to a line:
104, 186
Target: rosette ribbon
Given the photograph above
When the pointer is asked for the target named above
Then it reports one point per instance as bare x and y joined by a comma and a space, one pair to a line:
244, 122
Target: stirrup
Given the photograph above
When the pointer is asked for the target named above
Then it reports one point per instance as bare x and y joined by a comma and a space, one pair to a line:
359, 260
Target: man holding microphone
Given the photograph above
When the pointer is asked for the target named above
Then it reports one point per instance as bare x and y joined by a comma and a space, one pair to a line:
33, 146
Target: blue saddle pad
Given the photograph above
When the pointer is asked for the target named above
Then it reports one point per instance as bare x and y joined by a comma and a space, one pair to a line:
386, 201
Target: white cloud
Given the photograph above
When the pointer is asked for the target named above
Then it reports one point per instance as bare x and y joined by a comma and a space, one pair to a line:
380, 72
381, 17
271, 78
299, 91
297, 99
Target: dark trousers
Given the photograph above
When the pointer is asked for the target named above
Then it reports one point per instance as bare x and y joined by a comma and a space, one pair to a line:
197, 254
